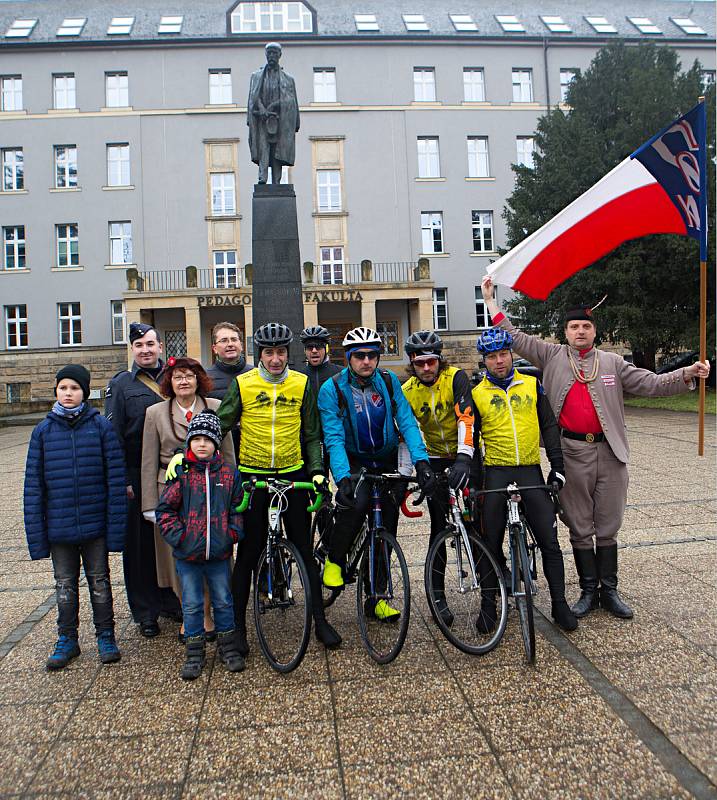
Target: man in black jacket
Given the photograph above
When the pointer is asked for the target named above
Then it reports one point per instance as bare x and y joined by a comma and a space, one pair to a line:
315, 339
230, 359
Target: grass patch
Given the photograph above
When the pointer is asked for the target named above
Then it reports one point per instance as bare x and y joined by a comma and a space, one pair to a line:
678, 402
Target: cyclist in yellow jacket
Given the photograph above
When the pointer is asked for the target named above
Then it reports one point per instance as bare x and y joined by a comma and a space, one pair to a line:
512, 412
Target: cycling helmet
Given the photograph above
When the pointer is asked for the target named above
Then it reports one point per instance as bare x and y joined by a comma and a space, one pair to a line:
494, 339
424, 343
273, 334
315, 333
358, 338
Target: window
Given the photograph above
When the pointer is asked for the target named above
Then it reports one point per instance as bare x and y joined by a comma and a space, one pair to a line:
440, 309
120, 26
510, 23
388, 331
13, 238
526, 149
432, 231
332, 265
15, 327
118, 165
601, 25
688, 26
220, 86
116, 89
328, 189
119, 322
70, 323
429, 165
11, 93
272, 18
708, 78
13, 169
65, 166
64, 91
170, 25
483, 319
556, 25
522, 85
366, 22
68, 245
567, 76
478, 165
482, 223
463, 22
72, 27
21, 28
473, 84
223, 193
424, 84
225, 269
644, 25
324, 85
415, 22
120, 242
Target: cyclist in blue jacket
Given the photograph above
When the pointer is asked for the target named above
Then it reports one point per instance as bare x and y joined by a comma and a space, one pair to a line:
363, 410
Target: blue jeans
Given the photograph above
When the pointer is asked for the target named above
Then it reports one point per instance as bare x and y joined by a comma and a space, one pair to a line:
192, 574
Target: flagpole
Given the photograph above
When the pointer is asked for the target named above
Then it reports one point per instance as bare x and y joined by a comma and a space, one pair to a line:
703, 332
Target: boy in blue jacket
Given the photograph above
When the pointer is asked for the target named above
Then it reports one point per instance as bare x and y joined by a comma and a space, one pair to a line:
197, 517
75, 510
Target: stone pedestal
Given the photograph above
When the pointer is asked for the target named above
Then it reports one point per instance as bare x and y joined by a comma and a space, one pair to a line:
276, 287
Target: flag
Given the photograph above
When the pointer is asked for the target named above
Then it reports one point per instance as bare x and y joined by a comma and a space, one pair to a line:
660, 188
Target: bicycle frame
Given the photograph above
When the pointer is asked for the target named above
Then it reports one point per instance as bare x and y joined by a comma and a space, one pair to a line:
457, 522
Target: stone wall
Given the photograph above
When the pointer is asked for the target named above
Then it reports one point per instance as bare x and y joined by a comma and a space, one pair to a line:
33, 372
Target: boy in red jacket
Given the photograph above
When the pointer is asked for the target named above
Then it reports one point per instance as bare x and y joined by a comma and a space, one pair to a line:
196, 516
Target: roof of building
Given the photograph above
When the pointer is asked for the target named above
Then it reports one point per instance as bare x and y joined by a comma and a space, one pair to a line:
89, 21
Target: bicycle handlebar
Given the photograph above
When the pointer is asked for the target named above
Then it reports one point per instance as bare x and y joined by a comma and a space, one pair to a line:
511, 487
250, 486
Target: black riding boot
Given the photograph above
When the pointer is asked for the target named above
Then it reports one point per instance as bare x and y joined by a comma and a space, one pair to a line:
610, 600
325, 633
555, 575
229, 653
194, 659
586, 566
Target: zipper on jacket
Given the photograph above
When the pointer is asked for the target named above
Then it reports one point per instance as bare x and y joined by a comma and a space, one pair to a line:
368, 418
515, 431
273, 431
76, 480
435, 419
209, 510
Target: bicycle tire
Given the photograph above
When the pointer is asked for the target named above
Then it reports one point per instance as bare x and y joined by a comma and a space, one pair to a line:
318, 532
283, 624
524, 601
383, 639
464, 606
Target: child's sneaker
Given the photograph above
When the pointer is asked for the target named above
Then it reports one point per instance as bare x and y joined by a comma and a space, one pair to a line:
107, 648
66, 648
194, 659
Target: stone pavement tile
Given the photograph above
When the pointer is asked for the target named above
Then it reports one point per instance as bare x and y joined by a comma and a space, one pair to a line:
469, 777
702, 632
700, 747
666, 667
679, 709
259, 673
416, 736
40, 720
38, 685
609, 767
20, 604
262, 750
151, 791
34, 581
115, 763
273, 704
19, 758
311, 784
415, 658
602, 634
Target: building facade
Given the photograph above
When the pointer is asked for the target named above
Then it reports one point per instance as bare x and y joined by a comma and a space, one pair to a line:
127, 181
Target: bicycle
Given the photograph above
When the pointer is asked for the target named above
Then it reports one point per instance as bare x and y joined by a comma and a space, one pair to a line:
523, 563
282, 597
459, 571
376, 564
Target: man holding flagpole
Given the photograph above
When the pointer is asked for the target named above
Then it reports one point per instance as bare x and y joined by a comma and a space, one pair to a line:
585, 388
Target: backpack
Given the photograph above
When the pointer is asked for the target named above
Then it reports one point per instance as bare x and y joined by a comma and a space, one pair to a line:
385, 374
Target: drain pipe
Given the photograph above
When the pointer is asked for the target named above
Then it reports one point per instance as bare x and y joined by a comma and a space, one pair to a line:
545, 68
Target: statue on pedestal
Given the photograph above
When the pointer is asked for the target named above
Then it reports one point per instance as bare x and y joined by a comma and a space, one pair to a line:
272, 116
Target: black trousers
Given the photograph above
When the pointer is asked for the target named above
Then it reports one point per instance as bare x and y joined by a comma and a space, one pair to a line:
297, 523
66, 566
540, 513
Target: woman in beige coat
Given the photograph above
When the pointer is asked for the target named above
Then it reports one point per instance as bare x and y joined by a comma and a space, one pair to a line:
186, 385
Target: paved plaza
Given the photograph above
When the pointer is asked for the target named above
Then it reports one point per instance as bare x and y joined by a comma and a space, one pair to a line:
616, 710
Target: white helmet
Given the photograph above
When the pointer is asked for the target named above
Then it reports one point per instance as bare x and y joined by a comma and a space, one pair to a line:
362, 337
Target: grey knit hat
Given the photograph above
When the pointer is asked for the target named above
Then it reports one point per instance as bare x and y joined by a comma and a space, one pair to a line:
205, 423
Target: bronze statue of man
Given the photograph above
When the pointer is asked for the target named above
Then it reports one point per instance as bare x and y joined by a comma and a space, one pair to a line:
272, 116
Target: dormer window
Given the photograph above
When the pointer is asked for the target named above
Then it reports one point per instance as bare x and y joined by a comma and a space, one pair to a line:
272, 18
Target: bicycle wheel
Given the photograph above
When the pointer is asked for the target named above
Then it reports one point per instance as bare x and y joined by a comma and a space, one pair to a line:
383, 638
524, 598
456, 589
320, 537
283, 621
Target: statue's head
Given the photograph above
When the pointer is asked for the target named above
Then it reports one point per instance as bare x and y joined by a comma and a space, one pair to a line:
273, 53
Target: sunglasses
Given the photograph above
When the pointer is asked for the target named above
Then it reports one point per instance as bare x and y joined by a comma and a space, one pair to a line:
426, 362
362, 355
314, 347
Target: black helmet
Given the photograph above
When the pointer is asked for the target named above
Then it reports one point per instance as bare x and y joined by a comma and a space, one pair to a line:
424, 343
273, 334
315, 333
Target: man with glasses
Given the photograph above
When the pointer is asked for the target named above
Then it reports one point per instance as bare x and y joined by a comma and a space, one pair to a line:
362, 412
318, 367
